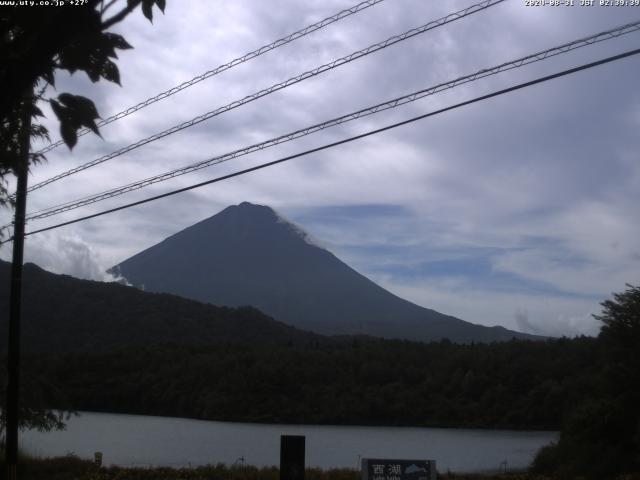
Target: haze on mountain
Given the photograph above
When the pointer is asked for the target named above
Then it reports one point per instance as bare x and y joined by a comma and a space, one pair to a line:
249, 255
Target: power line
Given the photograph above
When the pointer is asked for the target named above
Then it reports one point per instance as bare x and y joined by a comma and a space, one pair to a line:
221, 68
347, 140
278, 86
390, 104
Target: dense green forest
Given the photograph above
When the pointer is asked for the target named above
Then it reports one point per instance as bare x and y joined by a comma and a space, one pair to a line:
517, 384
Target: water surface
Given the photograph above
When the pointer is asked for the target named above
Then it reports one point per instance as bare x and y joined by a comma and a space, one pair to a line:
135, 440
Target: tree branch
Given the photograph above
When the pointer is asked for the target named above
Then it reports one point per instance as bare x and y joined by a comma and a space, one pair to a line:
118, 17
108, 6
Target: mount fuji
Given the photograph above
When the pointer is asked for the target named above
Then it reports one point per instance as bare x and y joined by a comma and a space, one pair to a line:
248, 255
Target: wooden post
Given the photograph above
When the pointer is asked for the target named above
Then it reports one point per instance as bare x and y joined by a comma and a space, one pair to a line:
292, 457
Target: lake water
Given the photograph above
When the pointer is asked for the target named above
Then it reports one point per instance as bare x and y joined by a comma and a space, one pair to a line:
134, 440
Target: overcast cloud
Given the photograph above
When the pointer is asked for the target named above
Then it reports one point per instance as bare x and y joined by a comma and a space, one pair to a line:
519, 211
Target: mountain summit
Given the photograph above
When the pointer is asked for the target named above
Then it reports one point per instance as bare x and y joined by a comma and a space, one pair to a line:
248, 255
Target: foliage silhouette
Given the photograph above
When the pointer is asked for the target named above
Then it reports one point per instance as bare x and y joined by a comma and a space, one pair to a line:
37, 42
34, 44
601, 436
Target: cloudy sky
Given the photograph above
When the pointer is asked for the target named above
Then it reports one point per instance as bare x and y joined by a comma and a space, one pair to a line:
520, 211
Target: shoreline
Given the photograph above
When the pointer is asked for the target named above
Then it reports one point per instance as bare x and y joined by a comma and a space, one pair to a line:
346, 425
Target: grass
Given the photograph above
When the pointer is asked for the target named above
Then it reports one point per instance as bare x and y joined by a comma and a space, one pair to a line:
74, 468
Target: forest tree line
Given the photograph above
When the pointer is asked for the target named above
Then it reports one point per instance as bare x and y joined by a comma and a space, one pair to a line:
517, 384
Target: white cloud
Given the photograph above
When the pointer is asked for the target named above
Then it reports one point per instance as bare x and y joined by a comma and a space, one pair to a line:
65, 253
557, 163
548, 315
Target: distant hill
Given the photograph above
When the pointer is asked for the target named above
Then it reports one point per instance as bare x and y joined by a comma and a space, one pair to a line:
248, 255
65, 314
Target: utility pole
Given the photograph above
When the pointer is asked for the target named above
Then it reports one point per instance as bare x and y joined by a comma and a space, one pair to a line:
13, 361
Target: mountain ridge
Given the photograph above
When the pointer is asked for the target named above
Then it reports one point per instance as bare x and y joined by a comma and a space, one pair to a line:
62, 314
249, 255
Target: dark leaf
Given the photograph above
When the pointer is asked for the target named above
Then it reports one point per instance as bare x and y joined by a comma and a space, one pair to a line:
35, 158
118, 41
87, 55
57, 109
74, 56
106, 48
48, 76
74, 111
39, 131
93, 127
36, 112
68, 133
81, 111
84, 106
67, 99
110, 72
161, 5
147, 9
93, 73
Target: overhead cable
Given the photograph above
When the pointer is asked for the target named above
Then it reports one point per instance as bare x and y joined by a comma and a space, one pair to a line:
278, 86
346, 140
221, 68
389, 104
